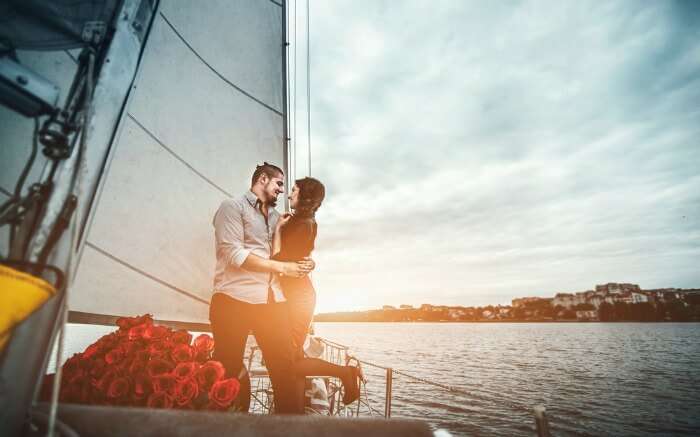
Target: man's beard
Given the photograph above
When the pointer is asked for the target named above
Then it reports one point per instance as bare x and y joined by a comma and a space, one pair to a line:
272, 201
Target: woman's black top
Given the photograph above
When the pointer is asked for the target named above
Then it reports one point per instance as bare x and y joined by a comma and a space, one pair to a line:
298, 237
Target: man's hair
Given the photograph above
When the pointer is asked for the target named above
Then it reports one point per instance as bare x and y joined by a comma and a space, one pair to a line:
270, 170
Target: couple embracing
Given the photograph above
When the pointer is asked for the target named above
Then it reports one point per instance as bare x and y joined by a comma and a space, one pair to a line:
261, 285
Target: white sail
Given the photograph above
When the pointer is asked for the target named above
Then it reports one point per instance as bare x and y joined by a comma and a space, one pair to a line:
206, 107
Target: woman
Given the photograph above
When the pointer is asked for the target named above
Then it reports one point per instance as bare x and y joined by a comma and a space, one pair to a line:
293, 240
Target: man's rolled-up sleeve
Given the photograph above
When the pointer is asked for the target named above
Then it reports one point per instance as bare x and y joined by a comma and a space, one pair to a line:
228, 229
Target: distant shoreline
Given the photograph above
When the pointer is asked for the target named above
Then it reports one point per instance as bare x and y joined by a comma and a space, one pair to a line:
502, 321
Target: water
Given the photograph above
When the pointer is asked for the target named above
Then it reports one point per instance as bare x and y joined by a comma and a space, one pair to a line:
595, 379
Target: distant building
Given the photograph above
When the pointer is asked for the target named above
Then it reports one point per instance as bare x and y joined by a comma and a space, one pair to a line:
426, 307
563, 299
406, 307
587, 315
456, 313
632, 297
503, 312
388, 307
615, 288
522, 301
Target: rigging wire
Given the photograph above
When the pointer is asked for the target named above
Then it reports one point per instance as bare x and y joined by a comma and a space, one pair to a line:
295, 90
308, 80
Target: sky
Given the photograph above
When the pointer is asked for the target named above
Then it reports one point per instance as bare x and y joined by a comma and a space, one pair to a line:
474, 152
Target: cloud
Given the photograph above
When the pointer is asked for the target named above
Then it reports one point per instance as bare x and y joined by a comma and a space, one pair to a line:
474, 153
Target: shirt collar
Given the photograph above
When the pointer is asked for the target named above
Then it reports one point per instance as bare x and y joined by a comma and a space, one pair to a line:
252, 198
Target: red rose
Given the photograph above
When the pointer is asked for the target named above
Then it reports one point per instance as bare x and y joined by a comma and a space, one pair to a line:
203, 342
185, 370
71, 365
182, 353
186, 391
130, 348
142, 387
158, 367
160, 355
202, 356
128, 322
118, 388
91, 351
142, 355
159, 349
164, 383
209, 373
136, 332
136, 367
223, 392
155, 332
181, 337
98, 368
77, 391
103, 383
159, 400
114, 356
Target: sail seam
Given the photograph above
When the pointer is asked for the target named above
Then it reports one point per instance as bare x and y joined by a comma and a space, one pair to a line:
146, 274
178, 157
221, 76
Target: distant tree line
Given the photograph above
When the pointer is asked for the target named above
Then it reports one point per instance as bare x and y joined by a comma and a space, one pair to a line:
676, 310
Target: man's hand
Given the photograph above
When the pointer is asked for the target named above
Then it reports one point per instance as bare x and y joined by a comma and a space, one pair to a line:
308, 263
295, 269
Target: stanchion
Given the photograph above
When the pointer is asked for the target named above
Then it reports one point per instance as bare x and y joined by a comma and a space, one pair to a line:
387, 404
541, 421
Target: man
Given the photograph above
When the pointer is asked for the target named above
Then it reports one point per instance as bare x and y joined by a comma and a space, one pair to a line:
247, 296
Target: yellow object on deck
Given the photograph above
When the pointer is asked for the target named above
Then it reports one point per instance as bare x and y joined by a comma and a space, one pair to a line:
20, 295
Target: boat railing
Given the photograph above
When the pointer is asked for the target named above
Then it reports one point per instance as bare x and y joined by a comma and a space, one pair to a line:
370, 401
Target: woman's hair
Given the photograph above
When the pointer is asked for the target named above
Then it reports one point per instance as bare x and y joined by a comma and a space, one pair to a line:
311, 194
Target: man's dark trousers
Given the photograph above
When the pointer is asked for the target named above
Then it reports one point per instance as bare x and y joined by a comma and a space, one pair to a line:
231, 321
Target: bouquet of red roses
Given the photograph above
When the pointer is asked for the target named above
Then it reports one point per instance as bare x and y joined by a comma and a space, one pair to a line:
146, 365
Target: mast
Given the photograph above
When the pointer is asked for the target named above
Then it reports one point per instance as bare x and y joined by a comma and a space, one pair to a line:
285, 102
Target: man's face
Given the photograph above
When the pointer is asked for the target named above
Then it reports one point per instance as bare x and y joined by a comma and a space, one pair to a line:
273, 187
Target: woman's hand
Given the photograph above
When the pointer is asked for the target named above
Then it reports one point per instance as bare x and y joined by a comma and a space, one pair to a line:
283, 220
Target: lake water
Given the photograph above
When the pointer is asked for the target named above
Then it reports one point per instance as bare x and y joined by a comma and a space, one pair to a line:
594, 379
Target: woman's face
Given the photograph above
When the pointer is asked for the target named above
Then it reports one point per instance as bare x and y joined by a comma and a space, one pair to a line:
294, 197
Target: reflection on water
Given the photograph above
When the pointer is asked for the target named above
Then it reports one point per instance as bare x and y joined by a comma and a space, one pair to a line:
594, 378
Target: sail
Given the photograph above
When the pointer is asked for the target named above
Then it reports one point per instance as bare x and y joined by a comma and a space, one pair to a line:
206, 107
